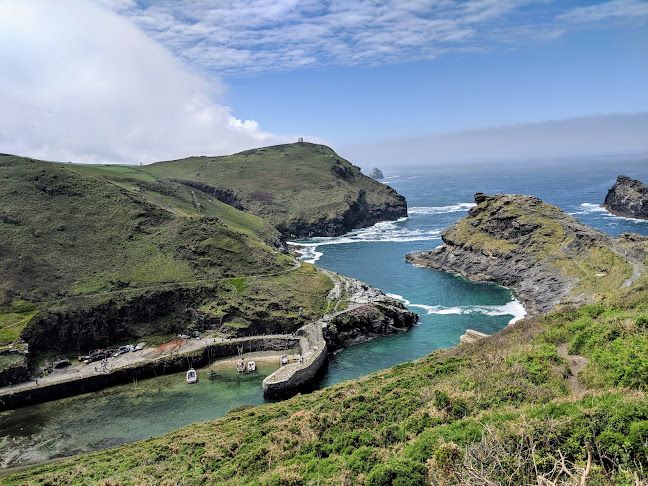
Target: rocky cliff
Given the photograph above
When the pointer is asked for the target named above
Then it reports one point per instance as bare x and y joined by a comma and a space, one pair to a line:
547, 256
368, 321
627, 197
302, 189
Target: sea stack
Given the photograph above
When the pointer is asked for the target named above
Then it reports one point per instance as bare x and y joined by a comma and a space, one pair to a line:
376, 173
627, 197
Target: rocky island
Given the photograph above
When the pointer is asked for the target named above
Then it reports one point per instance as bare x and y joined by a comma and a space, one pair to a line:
627, 197
376, 173
546, 255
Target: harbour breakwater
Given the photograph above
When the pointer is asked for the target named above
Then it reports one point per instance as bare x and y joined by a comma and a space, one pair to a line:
295, 376
32, 393
367, 313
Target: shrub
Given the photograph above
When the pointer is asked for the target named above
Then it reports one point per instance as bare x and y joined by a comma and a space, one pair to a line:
398, 472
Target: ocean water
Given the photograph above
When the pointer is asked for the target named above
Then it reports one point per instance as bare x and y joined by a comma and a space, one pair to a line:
447, 305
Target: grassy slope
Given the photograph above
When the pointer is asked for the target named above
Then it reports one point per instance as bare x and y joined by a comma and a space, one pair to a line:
597, 270
497, 410
85, 234
283, 183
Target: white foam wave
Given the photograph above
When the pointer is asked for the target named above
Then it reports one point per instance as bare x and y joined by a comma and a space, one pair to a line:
387, 231
453, 208
309, 254
589, 208
513, 308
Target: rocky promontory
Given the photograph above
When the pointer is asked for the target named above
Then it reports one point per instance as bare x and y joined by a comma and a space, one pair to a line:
546, 255
302, 189
627, 197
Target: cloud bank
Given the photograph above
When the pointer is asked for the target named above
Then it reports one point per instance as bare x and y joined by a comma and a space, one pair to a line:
80, 83
577, 137
246, 37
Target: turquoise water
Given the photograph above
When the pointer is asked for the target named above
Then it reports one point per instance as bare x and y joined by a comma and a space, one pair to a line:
126, 413
447, 305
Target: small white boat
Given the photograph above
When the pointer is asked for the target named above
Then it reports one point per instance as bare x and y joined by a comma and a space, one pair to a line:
251, 367
240, 366
284, 360
192, 376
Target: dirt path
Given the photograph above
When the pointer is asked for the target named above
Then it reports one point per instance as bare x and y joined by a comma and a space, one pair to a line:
576, 364
637, 270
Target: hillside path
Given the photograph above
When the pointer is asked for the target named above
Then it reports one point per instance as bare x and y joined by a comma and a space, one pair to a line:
637, 270
576, 364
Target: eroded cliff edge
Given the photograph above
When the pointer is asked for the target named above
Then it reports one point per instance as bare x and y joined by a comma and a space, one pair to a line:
627, 197
546, 255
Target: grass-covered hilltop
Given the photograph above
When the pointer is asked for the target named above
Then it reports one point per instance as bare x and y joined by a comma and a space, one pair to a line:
558, 398
302, 189
94, 256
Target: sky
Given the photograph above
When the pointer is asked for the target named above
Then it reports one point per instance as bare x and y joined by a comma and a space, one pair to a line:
381, 82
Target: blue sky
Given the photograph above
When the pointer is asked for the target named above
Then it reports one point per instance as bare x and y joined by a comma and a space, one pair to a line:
130, 81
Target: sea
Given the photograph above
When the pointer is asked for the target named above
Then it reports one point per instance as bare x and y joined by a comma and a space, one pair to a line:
446, 303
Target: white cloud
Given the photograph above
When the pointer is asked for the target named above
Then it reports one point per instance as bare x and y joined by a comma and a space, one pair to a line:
80, 83
623, 134
246, 37
634, 10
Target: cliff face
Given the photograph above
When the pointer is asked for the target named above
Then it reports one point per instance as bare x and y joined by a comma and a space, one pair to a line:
627, 197
547, 256
302, 189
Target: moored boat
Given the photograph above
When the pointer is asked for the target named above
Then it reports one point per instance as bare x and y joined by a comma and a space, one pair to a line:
192, 376
251, 366
284, 360
240, 366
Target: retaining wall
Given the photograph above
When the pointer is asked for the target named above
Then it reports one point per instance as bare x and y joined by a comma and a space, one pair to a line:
138, 371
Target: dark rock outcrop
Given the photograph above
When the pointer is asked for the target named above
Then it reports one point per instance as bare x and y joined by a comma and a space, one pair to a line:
15, 372
627, 197
367, 322
520, 242
376, 173
358, 213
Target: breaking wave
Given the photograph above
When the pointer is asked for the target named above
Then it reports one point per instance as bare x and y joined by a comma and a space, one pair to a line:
441, 209
514, 308
589, 208
387, 231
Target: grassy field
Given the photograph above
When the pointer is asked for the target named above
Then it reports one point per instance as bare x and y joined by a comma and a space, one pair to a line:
502, 410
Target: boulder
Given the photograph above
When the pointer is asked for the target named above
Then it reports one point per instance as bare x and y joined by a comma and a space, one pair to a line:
627, 197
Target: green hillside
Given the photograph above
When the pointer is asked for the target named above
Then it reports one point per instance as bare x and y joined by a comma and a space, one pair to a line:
299, 188
559, 399
88, 242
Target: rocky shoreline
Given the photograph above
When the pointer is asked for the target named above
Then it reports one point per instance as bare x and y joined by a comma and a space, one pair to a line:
367, 313
541, 252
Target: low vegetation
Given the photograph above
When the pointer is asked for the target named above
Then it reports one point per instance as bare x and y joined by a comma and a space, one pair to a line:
128, 255
498, 411
298, 188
